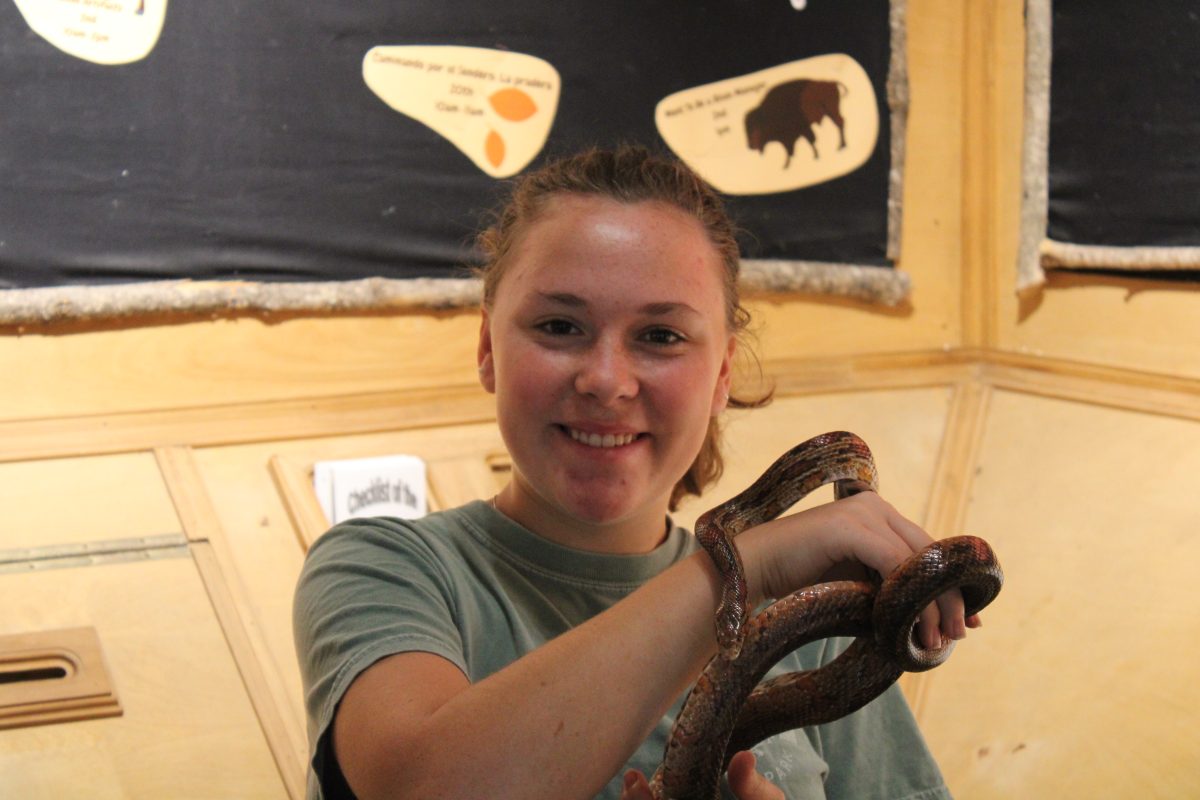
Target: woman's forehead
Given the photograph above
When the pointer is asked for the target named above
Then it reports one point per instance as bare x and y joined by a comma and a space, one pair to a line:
584, 226
656, 253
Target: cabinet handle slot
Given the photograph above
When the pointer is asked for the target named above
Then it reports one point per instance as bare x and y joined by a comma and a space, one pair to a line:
25, 674
54, 676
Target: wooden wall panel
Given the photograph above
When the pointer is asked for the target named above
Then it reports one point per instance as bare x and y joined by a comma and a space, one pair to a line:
1082, 681
266, 551
188, 729
1125, 323
74, 500
903, 427
221, 362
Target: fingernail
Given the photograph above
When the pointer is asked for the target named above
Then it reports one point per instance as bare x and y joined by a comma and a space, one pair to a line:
630, 779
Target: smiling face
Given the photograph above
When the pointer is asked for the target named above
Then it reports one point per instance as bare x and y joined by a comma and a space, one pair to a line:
608, 351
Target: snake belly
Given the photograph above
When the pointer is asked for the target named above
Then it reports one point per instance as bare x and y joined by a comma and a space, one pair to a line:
728, 709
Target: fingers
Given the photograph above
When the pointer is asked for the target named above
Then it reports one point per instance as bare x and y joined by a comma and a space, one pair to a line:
946, 619
635, 786
816, 545
800, 550
952, 613
884, 538
747, 783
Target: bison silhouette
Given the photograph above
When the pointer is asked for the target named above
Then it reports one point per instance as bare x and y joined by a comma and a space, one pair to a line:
790, 110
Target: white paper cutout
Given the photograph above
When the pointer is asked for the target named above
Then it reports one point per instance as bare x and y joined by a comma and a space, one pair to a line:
707, 126
387, 486
495, 106
100, 31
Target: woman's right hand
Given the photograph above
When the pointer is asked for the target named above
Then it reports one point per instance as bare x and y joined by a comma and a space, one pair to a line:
745, 781
811, 546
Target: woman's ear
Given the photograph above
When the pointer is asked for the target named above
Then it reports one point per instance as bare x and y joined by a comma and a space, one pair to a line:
724, 378
483, 355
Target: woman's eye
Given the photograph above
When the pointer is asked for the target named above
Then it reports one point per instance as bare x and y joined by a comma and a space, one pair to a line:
662, 336
557, 327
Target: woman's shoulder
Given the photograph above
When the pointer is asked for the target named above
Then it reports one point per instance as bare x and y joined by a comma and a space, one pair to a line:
436, 544
390, 533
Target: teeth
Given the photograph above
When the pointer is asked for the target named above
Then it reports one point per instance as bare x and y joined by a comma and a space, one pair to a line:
596, 440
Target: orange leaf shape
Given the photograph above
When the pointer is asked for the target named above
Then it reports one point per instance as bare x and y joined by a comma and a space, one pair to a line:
513, 105
494, 149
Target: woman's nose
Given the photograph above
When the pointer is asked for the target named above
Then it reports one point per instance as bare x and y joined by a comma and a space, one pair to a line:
607, 373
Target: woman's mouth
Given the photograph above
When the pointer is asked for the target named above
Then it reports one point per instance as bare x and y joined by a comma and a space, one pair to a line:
603, 440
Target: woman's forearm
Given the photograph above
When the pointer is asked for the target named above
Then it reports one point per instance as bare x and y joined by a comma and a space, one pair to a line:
561, 721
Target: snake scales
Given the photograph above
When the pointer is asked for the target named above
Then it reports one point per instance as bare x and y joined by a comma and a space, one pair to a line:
728, 710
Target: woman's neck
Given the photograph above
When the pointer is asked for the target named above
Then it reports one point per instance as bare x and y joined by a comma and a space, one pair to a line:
636, 533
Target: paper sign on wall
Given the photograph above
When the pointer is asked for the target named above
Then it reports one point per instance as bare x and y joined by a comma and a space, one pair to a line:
100, 31
775, 130
495, 106
388, 486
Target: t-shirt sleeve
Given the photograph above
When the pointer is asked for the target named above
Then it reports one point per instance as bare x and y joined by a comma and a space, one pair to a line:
878, 752
369, 588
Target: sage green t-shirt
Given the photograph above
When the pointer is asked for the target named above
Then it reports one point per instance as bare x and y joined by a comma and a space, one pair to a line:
474, 587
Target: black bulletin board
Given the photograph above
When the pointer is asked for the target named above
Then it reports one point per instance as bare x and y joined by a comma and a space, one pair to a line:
1125, 123
1113, 138
246, 146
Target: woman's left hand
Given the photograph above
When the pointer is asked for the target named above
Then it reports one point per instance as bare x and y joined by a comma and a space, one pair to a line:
746, 782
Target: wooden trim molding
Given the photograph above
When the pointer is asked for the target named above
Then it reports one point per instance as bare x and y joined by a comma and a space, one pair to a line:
244, 423
949, 494
294, 481
1095, 384
206, 426
981, 175
213, 556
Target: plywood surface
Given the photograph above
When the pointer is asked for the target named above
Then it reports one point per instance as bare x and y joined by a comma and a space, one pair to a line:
74, 500
1141, 327
188, 730
229, 361
266, 552
1083, 681
903, 427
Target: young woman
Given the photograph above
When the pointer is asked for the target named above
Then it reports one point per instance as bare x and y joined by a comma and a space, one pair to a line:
536, 645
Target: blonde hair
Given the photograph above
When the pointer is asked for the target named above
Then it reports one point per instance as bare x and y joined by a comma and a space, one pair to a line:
628, 174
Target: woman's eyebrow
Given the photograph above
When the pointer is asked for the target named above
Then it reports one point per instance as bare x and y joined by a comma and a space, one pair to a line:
564, 298
656, 309
664, 308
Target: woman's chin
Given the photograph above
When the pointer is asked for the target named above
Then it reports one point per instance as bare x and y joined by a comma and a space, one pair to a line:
605, 509
593, 512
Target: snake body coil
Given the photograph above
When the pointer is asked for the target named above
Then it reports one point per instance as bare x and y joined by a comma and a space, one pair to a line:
728, 710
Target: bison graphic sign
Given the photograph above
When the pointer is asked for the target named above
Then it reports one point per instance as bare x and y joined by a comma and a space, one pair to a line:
741, 134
